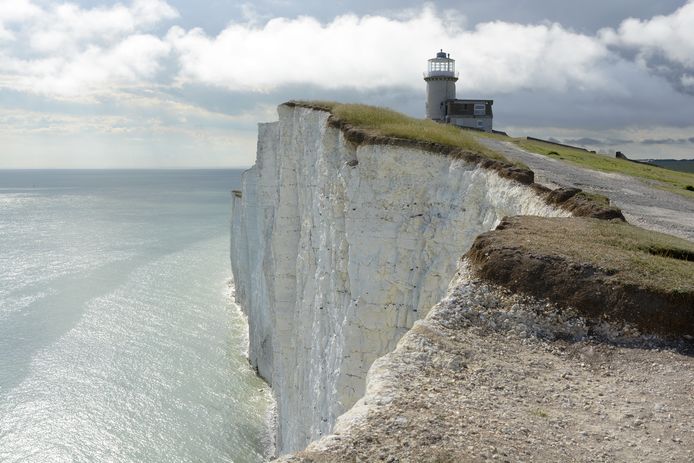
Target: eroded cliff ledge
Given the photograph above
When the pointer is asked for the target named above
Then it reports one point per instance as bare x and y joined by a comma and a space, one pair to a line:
342, 238
606, 271
493, 375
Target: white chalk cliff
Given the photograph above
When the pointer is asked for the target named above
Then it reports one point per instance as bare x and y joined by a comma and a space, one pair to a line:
338, 249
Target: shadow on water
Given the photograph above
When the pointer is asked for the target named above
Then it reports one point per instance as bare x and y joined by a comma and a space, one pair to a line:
26, 332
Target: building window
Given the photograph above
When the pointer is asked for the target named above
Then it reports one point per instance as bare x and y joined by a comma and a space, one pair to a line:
480, 123
480, 109
441, 66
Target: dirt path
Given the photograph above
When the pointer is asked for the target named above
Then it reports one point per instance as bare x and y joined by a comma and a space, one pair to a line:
641, 204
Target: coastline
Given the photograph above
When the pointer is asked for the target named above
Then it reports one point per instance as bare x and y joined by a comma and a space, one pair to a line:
269, 443
324, 302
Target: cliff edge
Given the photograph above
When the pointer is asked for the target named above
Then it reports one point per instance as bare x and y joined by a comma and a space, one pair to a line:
559, 339
349, 229
492, 375
606, 271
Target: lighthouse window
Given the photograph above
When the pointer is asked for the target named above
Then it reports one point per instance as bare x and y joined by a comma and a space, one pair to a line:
441, 66
480, 109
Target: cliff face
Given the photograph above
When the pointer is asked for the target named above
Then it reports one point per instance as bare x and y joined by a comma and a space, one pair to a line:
338, 249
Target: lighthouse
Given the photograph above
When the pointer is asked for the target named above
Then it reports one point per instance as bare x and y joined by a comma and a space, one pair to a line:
443, 106
440, 79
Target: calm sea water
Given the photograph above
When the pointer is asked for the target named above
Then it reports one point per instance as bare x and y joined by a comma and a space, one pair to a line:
118, 338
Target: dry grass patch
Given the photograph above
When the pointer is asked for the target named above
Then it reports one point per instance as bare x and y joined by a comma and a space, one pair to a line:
388, 123
647, 258
605, 269
641, 257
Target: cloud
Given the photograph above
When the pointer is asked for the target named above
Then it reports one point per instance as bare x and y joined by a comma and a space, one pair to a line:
17, 10
142, 132
587, 141
12, 12
74, 52
373, 51
663, 44
132, 60
671, 36
67, 26
667, 141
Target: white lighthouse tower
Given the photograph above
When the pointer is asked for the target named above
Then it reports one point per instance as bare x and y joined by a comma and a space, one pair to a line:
440, 78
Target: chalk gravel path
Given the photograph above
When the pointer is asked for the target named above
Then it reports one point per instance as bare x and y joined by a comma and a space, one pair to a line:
642, 204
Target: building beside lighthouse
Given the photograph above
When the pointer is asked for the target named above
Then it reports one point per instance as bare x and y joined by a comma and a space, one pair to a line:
442, 104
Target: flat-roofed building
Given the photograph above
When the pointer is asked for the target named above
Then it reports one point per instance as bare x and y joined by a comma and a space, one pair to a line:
474, 114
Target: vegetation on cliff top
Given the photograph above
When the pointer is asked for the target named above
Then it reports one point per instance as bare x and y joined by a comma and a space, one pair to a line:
388, 123
643, 258
606, 269
666, 179
384, 122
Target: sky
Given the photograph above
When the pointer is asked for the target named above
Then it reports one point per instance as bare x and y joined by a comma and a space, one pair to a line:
183, 83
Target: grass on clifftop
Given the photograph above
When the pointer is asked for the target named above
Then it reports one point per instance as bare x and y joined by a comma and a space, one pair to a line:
640, 257
388, 123
670, 180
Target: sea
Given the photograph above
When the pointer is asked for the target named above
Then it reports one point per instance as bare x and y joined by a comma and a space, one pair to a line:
119, 339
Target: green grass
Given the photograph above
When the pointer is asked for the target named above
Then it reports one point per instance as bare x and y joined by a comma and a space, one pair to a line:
388, 123
641, 257
658, 177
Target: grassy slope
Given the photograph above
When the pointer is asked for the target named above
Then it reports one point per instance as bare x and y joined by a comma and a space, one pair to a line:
665, 179
642, 257
604, 269
389, 123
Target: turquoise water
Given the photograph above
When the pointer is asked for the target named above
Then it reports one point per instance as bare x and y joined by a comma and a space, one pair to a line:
118, 338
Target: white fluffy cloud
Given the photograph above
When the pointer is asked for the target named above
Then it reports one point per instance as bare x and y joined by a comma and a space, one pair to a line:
374, 51
12, 11
66, 51
67, 26
17, 10
670, 36
130, 61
